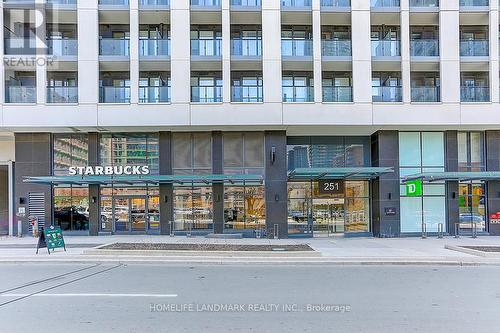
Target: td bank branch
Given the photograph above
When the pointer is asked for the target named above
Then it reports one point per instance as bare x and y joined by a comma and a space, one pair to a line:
256, 184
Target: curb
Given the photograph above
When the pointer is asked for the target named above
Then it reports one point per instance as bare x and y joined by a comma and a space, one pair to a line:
187, 253
472, 251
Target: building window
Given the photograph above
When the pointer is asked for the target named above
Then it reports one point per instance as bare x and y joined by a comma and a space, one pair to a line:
422, 152
192, 153
71, 208
244, 207
70, 150
243, 153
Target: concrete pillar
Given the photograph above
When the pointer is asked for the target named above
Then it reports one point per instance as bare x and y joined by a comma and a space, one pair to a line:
2, 67
226, 51
449, 42
493, 187
405, 50
276, 183
316, 25
94, 189
361, 51
271, 51
134, 51
166, 190
181, 52
494, 63
88, 52
218, 189
385, 189
41, 47
452, 203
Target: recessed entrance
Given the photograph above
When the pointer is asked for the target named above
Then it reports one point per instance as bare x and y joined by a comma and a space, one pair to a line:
328, 216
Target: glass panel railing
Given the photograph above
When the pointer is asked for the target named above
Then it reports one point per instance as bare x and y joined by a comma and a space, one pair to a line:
425, 94
385, 48
154, 94
114, 47
424, 48
114, 95
474, 3
337, 94
20, 94
19, 45
206, 47
154, 47
62, 2
475, 94
246, 47
424, 3
114, 2
474, 48
385, 3
62, 94
295, 3
336, 48
247, 94
206, 3
298, 94
246, 3
154, 2
387, 94
296, 47
63, 47
335, 3
206, 94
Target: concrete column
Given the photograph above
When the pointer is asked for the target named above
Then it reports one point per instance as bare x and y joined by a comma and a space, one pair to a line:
271, 51
405, 50
2, 67
493, 187
181, 51
134, 51
166, 190
226, 51
218, 189
494, 64
94, 190
276, 183
316, 25
88, 52
449, 42
361, 51
452, 204
41, 46
385, 189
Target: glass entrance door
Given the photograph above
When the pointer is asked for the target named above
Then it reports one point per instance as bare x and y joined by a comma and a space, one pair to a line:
472, 207
137, 214
130, 214
328, 216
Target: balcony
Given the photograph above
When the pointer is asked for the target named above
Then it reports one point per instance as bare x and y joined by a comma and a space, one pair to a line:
206, 47
474, 94
295, 4
384, 3
63, 47
247, 94
425, 94
62, 94
206, 4
246, 47
20, 45
20, 94
246, 3
154, 3
424, 48
296, 47
474, 3
337, 94
474, 48
154, 47
385, 48
109, 94
298, 94
335, 3
336, 48
424, 3
206, 94
114, 47
387, 94
114, 2
62, 2
154, 94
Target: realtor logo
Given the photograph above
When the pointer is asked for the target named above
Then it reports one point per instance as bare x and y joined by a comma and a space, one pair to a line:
414, 188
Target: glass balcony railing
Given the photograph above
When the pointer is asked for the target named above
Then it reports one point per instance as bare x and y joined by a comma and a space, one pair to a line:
387, 94
474, 94
425, 94
424, 3
114, 47
246, 47
63, 47
163, 3
206, 3
247, 94
336, 48
62, 94
20, 45
206, 47
385, 3
206, 94
154, 94
298, 94
61, 2
335, 3
114, 2
474, 3
20, 94
385, 48
337, 94
424, 48
246, 3
114, 95
474, 48
295, 3
154, 47
296, 47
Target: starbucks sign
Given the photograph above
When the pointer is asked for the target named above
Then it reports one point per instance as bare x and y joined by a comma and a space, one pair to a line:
119, 170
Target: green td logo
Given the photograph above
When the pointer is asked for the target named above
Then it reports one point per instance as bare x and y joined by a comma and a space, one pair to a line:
414, 188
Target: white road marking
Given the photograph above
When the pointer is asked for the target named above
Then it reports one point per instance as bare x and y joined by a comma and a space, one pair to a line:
89, 295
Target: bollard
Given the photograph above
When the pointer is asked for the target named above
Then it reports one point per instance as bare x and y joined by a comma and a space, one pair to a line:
172, 233
474, 230
457, 230
275, 231
189, 229
440, 230
19, 228
424, 230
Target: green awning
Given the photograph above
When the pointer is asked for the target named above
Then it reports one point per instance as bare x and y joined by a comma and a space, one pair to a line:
454, 176
148, 180
338, 173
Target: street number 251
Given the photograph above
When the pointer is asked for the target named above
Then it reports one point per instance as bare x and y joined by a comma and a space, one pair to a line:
331, 186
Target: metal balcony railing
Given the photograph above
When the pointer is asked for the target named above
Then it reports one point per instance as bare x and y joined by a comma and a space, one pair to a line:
336, 48
474, 48
20, 94
206, 94
424, 48
246, 47
247, 94
154, 94
296, 47
114, 94
154, 47
337, 94
298, 94
206, 47
62, 47
20, 45
425, 94
335, 3
114, 2
387, 94
62, 2
474, 94
62, 94
114, 47
385, 48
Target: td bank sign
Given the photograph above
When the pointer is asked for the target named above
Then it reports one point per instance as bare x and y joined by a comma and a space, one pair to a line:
414, 188
126, 170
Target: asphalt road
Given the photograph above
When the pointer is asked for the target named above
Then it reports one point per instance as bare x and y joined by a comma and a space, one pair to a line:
222, 298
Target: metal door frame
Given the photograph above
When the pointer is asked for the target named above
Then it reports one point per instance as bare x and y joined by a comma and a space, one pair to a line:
129, 198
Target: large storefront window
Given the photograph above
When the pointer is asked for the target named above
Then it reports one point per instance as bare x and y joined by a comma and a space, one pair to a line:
71, 208
70, 150
193, 208
244, 207
422, 152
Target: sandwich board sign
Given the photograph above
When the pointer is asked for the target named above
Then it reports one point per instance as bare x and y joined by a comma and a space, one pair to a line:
51, 238
414, 188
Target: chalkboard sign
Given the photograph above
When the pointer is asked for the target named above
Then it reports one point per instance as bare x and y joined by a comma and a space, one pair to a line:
51, 238
331, 186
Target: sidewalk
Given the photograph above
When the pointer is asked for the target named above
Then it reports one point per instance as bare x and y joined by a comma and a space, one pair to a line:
334, 250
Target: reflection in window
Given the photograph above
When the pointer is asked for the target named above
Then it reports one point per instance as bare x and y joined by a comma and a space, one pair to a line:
71, 208
193, 208
244, 207
69, 150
